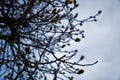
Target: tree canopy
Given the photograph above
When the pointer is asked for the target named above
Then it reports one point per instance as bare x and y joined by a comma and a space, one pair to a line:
33, 35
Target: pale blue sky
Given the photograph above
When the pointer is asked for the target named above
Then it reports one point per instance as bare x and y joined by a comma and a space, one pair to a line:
102, 40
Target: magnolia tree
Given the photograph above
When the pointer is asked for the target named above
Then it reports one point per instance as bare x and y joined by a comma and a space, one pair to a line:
33, 35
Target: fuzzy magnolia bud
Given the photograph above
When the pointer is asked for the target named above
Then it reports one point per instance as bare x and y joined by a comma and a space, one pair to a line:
77, 40
27, 50
36, 64
54, 11
67, 1
63, 46
82, 57
81, 71
99, 12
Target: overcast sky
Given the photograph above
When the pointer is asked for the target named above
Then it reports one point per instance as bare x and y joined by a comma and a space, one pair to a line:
102, 40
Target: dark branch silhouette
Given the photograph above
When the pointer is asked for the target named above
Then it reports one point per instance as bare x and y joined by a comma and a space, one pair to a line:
33, 37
